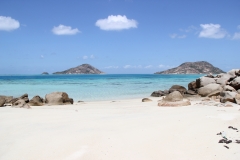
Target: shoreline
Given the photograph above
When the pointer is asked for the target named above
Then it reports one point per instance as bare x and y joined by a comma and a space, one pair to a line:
92, 87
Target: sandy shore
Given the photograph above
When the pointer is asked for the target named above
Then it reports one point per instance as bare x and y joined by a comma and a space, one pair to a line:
119, 130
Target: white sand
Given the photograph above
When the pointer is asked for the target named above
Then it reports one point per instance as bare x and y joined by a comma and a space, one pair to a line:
120, 130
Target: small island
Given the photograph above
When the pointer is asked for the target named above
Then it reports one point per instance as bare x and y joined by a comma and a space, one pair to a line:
200, 67
82, 69
45, 73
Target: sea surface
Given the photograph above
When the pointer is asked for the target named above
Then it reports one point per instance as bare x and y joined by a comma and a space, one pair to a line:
92, 87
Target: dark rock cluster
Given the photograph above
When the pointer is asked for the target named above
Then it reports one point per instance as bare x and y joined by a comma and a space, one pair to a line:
178, 88
224, 87
225, 139
54, 98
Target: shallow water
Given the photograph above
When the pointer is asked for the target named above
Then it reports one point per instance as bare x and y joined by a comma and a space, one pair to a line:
91, 87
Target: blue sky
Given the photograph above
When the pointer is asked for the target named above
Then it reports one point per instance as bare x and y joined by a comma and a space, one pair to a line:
117, 36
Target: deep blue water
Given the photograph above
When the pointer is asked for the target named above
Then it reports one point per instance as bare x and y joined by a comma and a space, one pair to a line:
91, 87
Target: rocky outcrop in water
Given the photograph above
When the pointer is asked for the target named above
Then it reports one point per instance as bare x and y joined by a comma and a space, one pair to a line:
82, 69
201, 67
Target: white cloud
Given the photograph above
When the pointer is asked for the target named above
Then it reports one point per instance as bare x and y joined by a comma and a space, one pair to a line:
42, 56
130, 66
127, 66
111, 67
173, 36
161, 66
164, 66
8, 24
139, 66
236, 35
64, 30
149, 66
212, 31
116, 23
189, 29
85, 57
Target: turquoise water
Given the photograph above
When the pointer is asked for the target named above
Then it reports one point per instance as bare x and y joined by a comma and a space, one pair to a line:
91, 87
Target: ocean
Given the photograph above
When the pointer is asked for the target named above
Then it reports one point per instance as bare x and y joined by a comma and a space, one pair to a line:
92, 87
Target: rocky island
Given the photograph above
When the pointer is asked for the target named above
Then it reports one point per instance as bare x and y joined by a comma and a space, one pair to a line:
200, 67
45, 73
82, 69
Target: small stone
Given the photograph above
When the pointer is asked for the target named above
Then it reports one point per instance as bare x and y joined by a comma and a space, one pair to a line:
146, 100
174, 104
158, 93
222, 141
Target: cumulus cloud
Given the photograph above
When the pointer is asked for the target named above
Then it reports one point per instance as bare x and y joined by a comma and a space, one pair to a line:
236, 35
212, 31
111, 67
130, 66
8, 23
64, 30
117, 22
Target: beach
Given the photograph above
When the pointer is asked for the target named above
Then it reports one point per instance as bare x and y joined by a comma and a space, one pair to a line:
119, 80
120, 129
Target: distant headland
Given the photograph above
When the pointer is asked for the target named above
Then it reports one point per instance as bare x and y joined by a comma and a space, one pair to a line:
200, 67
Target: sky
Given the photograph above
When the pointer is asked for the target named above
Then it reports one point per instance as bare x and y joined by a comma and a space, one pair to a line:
117, 36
